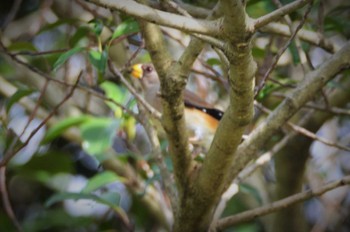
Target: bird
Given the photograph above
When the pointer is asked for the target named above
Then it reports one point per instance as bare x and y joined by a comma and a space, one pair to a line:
201, 118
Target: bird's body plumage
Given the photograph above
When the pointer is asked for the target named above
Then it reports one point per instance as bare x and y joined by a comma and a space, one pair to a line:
201, 117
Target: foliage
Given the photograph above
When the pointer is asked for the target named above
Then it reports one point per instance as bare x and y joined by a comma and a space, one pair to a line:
82, 152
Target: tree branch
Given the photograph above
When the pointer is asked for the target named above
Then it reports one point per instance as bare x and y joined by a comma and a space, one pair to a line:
161, 17
209, 184
276, 14
6, 200
281, 204
281, 51
303, 34
311, 83
8, 156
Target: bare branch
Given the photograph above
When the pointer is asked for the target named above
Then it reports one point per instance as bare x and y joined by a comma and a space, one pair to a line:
277, 14
160, 17
307, 133
311, 83
8, 156
6, 201
281, 204
311, 135
333, 110
305, 35
281, 51
167, 181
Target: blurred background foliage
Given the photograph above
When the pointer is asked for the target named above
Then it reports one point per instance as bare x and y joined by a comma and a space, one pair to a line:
59, 180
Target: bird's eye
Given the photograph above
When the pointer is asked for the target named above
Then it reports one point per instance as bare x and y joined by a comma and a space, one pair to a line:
149, 69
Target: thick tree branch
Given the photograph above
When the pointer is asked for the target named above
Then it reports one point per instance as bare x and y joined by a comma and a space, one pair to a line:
160, 17
240, 111
173, 120
209, 184
311, 84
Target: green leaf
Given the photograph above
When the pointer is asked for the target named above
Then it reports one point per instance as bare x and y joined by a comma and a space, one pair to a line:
99, 59
43, 167
20, 93
63, 125
258, 52
101, 180
98, 135
113, 92
78, 35
213, 61
294, 51
65, 56
251, 191
127, 27
79, 196
57, 24
338, 19
22, 46
257, 9
97, 26
52, 219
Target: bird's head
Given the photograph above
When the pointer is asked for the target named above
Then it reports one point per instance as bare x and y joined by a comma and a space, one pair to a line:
147, 75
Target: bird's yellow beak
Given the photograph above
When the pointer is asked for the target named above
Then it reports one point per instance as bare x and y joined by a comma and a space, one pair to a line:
136, 71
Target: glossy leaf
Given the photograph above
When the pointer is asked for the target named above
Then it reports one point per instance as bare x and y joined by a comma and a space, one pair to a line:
98, 59
116, 93
16, 97
101, 180
22, 46
98, 135
97, 26
127, 27
63, 125
58, 23
258, 52
295, 54
213, 61
78, 196
130, 127
65, 56
81, 33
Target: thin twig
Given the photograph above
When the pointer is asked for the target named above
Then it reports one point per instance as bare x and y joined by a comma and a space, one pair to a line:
9, 155
133, 55
133, 91
31, 68
333, 110
312, 135
307, 133
176, 7
281, 204
290, 25
41, 53
330, 109
37, 104
49, 78
11, 15
6, 201
167, 181
308, 36
273, 16
282, 50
